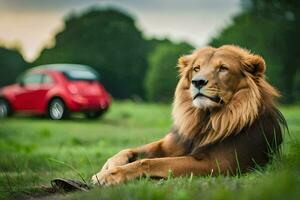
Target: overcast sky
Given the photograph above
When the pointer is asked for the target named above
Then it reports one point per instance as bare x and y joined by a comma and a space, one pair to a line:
33, 23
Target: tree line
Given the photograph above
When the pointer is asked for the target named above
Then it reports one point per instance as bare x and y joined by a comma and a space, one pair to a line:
132, 66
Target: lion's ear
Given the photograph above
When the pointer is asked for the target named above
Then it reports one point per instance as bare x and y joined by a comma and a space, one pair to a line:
184, 61
255, 65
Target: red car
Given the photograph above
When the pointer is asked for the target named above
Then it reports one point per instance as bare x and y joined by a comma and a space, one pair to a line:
56, 90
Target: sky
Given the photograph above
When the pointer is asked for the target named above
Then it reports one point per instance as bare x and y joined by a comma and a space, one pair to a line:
32, 24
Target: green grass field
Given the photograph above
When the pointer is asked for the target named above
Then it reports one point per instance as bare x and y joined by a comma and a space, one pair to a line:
35, 150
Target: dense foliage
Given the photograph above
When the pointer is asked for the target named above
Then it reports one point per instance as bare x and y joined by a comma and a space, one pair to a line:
162, 75
11, 65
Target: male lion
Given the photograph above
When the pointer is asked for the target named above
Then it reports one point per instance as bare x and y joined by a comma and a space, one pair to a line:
225, 121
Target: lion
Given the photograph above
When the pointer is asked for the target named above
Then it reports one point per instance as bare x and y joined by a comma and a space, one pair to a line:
225, 121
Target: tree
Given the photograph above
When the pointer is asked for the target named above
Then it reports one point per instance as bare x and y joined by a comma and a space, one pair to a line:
108, 41
162, 75
12, 65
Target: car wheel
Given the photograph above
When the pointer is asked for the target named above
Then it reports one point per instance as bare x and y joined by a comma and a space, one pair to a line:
5, 109
94, 114
57, 109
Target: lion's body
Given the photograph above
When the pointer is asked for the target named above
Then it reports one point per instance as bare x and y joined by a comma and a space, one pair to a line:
229, 124
253, 146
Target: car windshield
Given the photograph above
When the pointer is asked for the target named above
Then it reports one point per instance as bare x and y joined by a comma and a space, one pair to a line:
80, 75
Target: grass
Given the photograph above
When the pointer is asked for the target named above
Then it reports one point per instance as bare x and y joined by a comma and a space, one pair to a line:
35, 150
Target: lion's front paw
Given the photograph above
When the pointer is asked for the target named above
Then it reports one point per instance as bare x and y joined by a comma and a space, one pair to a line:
109, 177
121, 158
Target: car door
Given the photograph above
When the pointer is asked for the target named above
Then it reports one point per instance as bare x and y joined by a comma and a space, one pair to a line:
27, 97
47, 83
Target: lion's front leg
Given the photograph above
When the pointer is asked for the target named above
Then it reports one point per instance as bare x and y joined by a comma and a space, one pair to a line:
164, 147
157, 167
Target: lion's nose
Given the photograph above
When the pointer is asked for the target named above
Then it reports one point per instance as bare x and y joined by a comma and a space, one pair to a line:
199, 82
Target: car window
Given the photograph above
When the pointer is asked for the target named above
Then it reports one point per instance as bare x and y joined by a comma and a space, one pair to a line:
75, 75
47, 79
32, 79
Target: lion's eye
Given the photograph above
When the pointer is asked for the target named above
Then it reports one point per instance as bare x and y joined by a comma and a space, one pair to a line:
197, 68
223, 68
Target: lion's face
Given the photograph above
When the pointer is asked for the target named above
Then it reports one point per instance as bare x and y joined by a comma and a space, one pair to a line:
214, 75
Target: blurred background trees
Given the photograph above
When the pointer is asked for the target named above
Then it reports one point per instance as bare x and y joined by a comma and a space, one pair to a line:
133, 66
162, 75
12, 65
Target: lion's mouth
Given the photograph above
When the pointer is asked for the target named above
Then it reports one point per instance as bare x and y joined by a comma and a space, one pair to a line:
216, 98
